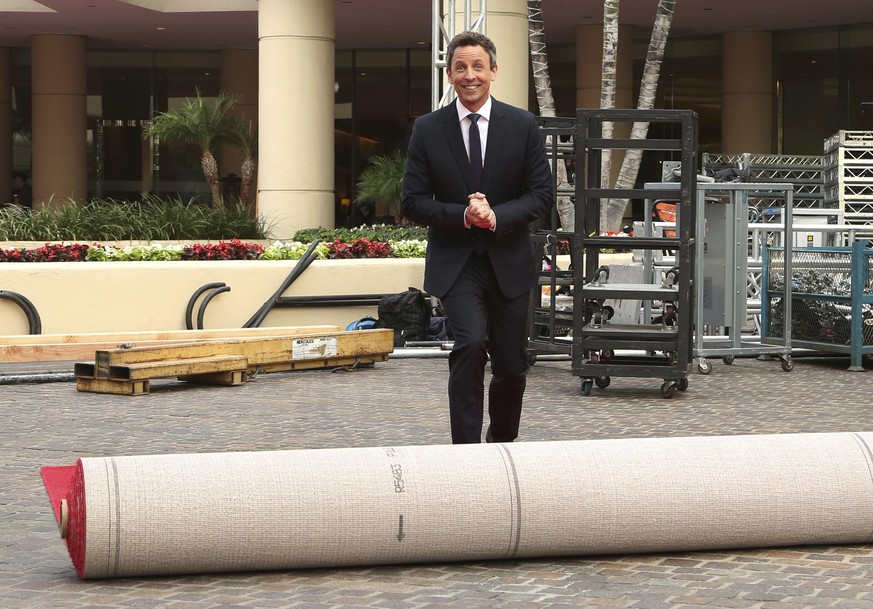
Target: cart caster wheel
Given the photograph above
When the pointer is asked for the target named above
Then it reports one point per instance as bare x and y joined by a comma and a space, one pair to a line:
682, 384
704, 367
728, 359
788, 364
586, 387
607, 354
608, 312
531, 359
595, 358
602, 381
667, 390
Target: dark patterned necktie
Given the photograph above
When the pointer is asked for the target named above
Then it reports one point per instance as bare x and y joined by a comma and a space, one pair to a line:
476, 167
475, 151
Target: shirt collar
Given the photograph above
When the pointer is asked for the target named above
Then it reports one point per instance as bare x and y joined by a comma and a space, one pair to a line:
484, 111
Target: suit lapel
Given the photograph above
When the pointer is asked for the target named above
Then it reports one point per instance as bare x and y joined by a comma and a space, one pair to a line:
452, 128
496, 133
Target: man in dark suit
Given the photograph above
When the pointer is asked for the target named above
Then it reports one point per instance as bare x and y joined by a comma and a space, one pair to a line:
479, 257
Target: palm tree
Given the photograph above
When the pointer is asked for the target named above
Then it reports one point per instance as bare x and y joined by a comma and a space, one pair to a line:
607, 87
199, 123
382, 181
245, 135
546, 101
630, 167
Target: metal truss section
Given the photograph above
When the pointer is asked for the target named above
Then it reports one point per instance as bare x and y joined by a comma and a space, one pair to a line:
445, 24
854, 208
805, 172
771, 162
848, 138
848, 176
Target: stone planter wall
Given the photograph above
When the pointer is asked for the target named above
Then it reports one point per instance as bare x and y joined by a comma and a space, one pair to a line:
87, 297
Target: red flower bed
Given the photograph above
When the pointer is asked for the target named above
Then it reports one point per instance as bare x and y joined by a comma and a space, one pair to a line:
225, 250
359, 248
50, 252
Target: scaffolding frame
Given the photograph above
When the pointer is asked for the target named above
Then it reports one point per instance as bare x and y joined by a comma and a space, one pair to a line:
442, 32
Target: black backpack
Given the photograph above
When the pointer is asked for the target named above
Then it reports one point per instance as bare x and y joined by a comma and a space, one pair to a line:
407, 313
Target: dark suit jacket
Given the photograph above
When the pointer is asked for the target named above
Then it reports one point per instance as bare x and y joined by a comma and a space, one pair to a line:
516, 179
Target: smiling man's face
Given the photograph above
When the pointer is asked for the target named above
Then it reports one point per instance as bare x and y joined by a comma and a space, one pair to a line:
471, 75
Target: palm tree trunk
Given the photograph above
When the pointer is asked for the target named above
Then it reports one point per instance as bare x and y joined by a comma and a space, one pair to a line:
210, 171
546, 102
248, 176
630, 167
607, 88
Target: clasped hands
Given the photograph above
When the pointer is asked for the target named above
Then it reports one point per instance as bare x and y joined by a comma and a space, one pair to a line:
479, 212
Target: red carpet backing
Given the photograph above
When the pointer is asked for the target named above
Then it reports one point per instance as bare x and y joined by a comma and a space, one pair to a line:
57, 481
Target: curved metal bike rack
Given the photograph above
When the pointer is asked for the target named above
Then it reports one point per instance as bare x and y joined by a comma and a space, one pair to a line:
214, 290
33, 320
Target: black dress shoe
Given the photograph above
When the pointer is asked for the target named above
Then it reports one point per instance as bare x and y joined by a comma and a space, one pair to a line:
488, 437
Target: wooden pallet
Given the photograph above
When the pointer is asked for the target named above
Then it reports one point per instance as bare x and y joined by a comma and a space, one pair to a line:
228, 362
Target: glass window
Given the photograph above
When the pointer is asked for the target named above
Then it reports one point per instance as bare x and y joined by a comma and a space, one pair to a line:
125, 89
21, 113
823, 78
807, 69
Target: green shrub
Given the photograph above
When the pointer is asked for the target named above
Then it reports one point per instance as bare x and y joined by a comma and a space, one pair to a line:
151, 219
379, 232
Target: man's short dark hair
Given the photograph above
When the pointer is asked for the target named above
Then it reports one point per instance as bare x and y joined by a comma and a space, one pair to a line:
19, 174
472, 39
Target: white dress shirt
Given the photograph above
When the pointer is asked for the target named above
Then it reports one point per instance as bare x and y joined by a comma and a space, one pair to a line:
485, 117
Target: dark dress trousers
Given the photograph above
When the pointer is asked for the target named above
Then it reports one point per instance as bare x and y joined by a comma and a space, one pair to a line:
485, 297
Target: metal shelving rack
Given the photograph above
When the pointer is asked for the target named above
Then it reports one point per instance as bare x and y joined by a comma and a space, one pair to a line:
658, 349
549, 321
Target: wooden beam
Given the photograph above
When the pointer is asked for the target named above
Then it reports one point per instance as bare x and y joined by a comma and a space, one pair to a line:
259, 351
69, 347
84, 383
227, 379
179, 367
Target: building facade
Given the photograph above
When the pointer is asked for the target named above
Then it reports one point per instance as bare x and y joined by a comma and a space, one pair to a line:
73, 110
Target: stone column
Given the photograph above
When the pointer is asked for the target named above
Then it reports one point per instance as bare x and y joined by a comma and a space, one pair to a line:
59, 119
5, 125
239, 78
508, 28
296, 114
747, 92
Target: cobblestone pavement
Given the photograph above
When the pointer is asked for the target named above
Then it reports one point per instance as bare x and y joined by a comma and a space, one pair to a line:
399, 402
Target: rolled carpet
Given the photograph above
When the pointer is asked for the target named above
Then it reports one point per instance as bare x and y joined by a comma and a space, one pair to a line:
190, 513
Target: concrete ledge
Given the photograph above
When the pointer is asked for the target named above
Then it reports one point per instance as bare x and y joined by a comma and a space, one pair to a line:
82, 297
86, 297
